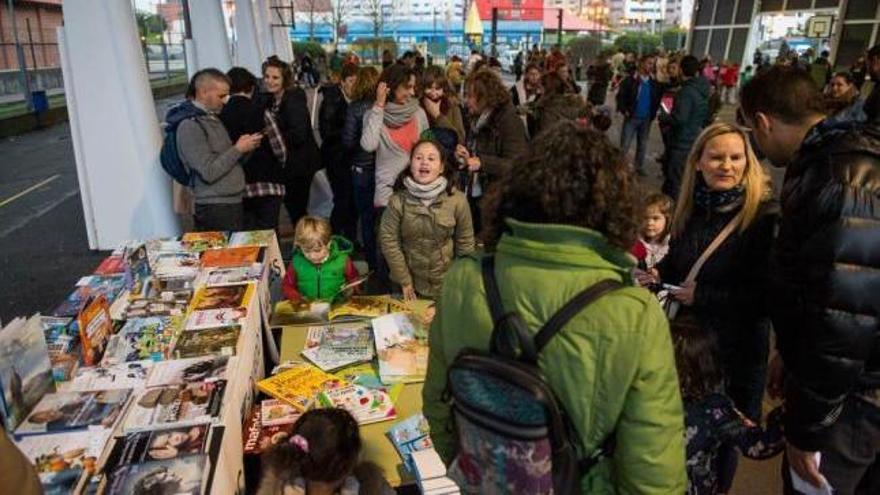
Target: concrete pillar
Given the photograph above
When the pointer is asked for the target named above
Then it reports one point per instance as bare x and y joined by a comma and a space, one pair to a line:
209, 35
248, 53
263, 18
116, 138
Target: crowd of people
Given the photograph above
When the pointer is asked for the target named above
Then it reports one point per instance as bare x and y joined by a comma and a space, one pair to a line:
430, 166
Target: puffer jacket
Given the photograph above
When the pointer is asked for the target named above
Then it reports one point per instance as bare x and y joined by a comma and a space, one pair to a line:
826, 307
419, 242
611, 367
351, 135
689, 113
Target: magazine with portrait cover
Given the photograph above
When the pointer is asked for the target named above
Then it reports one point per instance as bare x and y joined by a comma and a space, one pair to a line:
210, 341
60, 459
182, 371
132, 375
25, 369
332, 347
138, 274
142, 338
178, 476
163, 443
175, 405
62, 411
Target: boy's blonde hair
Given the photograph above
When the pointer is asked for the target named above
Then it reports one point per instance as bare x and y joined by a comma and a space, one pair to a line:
312, 233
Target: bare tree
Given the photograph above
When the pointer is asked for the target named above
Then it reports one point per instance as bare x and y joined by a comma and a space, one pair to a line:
313, 8
373, 10
340, 10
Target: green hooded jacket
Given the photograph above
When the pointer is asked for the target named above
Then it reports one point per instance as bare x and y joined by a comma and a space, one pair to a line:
612, 366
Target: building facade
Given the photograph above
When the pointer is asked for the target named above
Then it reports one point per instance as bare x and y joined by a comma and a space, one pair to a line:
36, 22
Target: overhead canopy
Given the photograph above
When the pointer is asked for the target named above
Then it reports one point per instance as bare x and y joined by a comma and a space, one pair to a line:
472, 25
570, 22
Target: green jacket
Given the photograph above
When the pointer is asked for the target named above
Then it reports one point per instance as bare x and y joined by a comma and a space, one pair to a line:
419, 242
322, 281
612, 366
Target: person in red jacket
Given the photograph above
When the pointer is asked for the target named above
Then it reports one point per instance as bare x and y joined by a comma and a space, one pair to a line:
729, 75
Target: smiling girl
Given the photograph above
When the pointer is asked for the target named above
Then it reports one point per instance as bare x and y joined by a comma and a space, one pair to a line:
426, 225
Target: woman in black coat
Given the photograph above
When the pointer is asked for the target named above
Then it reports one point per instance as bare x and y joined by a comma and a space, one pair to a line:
303, 156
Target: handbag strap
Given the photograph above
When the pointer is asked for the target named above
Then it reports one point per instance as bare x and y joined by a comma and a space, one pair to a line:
712, 247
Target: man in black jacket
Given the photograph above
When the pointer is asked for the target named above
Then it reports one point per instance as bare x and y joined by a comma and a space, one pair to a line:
826, 302
331, 122
638, 100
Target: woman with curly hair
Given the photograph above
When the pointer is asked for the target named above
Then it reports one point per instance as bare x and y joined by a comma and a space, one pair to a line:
558, 223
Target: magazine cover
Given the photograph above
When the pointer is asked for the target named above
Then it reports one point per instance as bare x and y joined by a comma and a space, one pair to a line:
137, 271
141, 338
258, 437
230, 256
333, 347
252, 238
88, 287
298, 385
116, 376
25, 369
112, 265
212, 318
229, 296
166, 303
60, 459
200, 241
175, 405
61, 411
164, 443
95, 327
195, 343
365, 404
233, 276
275, 412
171, 265
179, 476
403, 356
410, 435
182, 371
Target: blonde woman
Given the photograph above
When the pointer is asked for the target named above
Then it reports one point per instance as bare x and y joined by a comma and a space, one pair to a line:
724, 184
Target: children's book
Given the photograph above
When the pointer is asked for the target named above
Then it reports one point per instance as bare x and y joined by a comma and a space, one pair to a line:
233, 276
252, 238
61, 458
112, 265
298, 385
175, 405
365, 404
176, 265
183, 371
275, 412
25, 369
178, 476
142, 338
258, 437
212, 318
138, 274
403, 355
164, 443
360, 306
61, 411
95, 327
200, 241
228, 296
209, 341
336, 346
131, 375
230, 256
410, 435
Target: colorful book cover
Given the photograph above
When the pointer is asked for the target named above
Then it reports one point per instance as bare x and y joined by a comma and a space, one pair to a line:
25, 369
228, 296
210, 341
252, 238
60, 459
183, 371
175, 405
63, 345
137, 271
230, 256
116, 376
258, 437
233, 276
176, 265
411, 435
112, 265
360, 306
165, 303
89, 287
61, 411
275, 412
402, 353
365, 404
164, 443
178, 476
200, 241
212, 318
298, 385
95, 327
333, 347
142, 338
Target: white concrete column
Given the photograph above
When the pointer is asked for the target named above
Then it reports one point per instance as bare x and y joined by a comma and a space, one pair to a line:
263, 18
116, 138
280, 36
209, 35
248, 53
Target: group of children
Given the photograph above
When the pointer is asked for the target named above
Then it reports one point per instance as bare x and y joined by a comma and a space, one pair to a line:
323, 453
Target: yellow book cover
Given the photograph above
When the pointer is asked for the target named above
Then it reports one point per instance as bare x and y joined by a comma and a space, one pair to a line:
230, 256
200, 241
226, 296
363, 306
299, 385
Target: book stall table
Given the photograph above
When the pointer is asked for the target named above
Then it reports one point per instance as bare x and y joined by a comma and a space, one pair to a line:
377, 447
174, 332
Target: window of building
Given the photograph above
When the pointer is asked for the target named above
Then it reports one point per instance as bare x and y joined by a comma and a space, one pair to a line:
723, 13
719, 44
704, 12
861, 9
771, 5
700, 39
854, 41
744, 12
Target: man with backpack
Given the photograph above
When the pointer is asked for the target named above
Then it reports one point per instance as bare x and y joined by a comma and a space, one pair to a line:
205, 150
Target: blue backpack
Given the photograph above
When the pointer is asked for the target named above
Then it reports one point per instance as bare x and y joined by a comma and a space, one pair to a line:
169, 157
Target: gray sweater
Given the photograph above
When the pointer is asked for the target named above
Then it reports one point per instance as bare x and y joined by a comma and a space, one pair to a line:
390, 158
204, 146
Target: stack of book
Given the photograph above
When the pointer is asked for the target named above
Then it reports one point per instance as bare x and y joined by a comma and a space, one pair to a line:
431, 473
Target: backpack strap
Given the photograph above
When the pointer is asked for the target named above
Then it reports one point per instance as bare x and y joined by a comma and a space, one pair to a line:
501, 342
572, 308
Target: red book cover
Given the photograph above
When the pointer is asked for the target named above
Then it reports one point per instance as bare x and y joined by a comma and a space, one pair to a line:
259, 438
111, 265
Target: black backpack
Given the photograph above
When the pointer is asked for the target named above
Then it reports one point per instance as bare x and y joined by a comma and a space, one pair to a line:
513, 435
169, 156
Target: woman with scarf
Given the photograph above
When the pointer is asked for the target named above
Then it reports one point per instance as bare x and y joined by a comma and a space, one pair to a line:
842, 99
426, 225
724, 185
495, 139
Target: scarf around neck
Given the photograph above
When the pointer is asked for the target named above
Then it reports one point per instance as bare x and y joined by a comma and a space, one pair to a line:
717, 200
396, 115
425, 192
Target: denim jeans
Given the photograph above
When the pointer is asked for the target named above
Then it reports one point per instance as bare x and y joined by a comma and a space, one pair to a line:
364, 189
639, 129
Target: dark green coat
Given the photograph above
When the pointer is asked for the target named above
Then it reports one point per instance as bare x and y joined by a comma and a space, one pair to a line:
689, 113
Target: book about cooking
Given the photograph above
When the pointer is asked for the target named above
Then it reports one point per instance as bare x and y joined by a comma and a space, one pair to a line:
276, 412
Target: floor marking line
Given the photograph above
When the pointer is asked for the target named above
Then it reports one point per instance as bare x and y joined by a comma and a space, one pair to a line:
51, 206
28, 190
